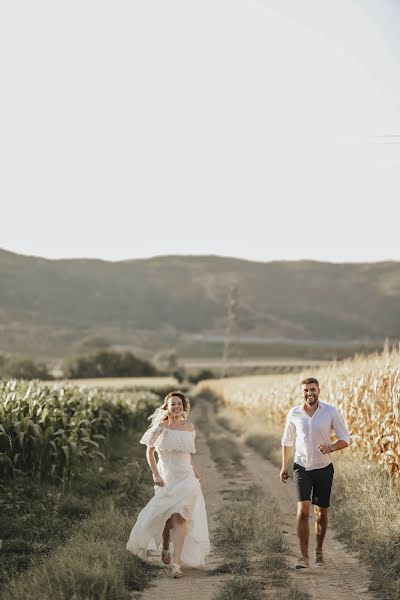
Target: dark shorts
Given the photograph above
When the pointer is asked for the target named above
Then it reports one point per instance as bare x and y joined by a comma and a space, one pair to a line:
314, 485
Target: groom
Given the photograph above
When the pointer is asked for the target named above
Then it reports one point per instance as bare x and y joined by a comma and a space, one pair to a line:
309, 427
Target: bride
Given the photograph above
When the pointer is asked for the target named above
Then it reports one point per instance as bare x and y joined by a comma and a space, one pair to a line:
177, 508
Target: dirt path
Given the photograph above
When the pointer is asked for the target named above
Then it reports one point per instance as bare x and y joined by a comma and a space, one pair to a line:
343, 576
195, 584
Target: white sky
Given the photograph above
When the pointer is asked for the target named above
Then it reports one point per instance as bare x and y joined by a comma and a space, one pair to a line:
258, 129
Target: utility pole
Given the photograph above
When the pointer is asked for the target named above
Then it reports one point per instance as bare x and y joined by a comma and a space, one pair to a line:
231, 341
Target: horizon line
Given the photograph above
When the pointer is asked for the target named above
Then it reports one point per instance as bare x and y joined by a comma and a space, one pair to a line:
211, 255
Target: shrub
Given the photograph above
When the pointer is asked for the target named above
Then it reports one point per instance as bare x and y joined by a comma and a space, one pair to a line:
23, 368
202, 375
107, 363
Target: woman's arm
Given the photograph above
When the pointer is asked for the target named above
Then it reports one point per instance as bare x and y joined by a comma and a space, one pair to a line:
151, 459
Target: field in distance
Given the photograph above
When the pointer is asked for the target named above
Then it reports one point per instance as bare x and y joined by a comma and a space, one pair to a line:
120, 382
210, 363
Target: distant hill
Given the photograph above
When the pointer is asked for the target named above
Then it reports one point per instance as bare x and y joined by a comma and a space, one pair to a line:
46, 306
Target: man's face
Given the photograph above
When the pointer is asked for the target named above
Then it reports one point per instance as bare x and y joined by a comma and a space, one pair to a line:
310, 393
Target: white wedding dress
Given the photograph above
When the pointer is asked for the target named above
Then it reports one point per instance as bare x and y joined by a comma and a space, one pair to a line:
181, 494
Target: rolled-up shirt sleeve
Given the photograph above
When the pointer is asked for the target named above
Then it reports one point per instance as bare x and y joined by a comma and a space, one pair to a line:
289, 434
339, 427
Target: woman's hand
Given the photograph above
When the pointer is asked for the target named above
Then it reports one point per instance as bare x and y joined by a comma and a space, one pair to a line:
196, 474
158, 480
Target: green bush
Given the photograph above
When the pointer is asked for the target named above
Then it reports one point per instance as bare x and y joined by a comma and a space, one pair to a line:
23, 368
107, 363
201, 375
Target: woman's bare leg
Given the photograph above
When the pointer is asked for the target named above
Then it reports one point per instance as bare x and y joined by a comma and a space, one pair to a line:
166, 535
178, 532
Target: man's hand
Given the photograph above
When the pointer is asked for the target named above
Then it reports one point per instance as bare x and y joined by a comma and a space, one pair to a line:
323, 449
284, 475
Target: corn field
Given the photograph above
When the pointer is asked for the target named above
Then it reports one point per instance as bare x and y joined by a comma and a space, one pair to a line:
49, 432
366, 391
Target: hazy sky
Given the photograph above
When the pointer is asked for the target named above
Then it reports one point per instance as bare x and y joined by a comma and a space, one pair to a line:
262, 129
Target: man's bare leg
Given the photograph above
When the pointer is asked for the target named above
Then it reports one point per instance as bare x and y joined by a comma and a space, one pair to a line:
321, 525
303, 527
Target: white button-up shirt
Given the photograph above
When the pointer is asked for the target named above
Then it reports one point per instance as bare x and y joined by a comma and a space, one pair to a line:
309, 432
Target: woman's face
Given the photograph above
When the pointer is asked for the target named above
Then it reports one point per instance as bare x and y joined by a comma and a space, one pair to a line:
175, 406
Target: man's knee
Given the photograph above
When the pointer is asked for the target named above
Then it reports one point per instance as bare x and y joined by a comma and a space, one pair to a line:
303, 510
321, 515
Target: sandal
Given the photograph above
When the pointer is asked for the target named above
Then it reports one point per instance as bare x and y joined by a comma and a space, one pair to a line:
176, 570
166, 556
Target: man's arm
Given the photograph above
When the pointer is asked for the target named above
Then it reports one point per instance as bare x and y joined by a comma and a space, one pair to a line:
341, 432
288, 438
340, 429
339, 445
284, 474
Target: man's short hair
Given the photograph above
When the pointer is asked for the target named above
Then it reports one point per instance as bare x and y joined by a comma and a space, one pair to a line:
310, 380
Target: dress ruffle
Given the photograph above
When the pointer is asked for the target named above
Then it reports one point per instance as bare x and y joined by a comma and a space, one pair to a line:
169, 440
151, 436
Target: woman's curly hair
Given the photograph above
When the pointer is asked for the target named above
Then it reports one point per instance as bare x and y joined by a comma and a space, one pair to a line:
161, 413
182, 396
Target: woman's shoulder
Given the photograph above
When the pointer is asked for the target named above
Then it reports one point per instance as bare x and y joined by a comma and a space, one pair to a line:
188, 426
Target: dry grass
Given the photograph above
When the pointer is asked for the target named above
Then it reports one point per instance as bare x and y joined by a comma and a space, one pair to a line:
366, 390
366, 502
366, 505
250, 539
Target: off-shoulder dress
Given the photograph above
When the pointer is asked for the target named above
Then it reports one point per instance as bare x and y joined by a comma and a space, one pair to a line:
181, 494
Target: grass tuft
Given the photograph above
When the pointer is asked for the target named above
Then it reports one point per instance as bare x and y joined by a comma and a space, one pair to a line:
248, 534
240, 587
